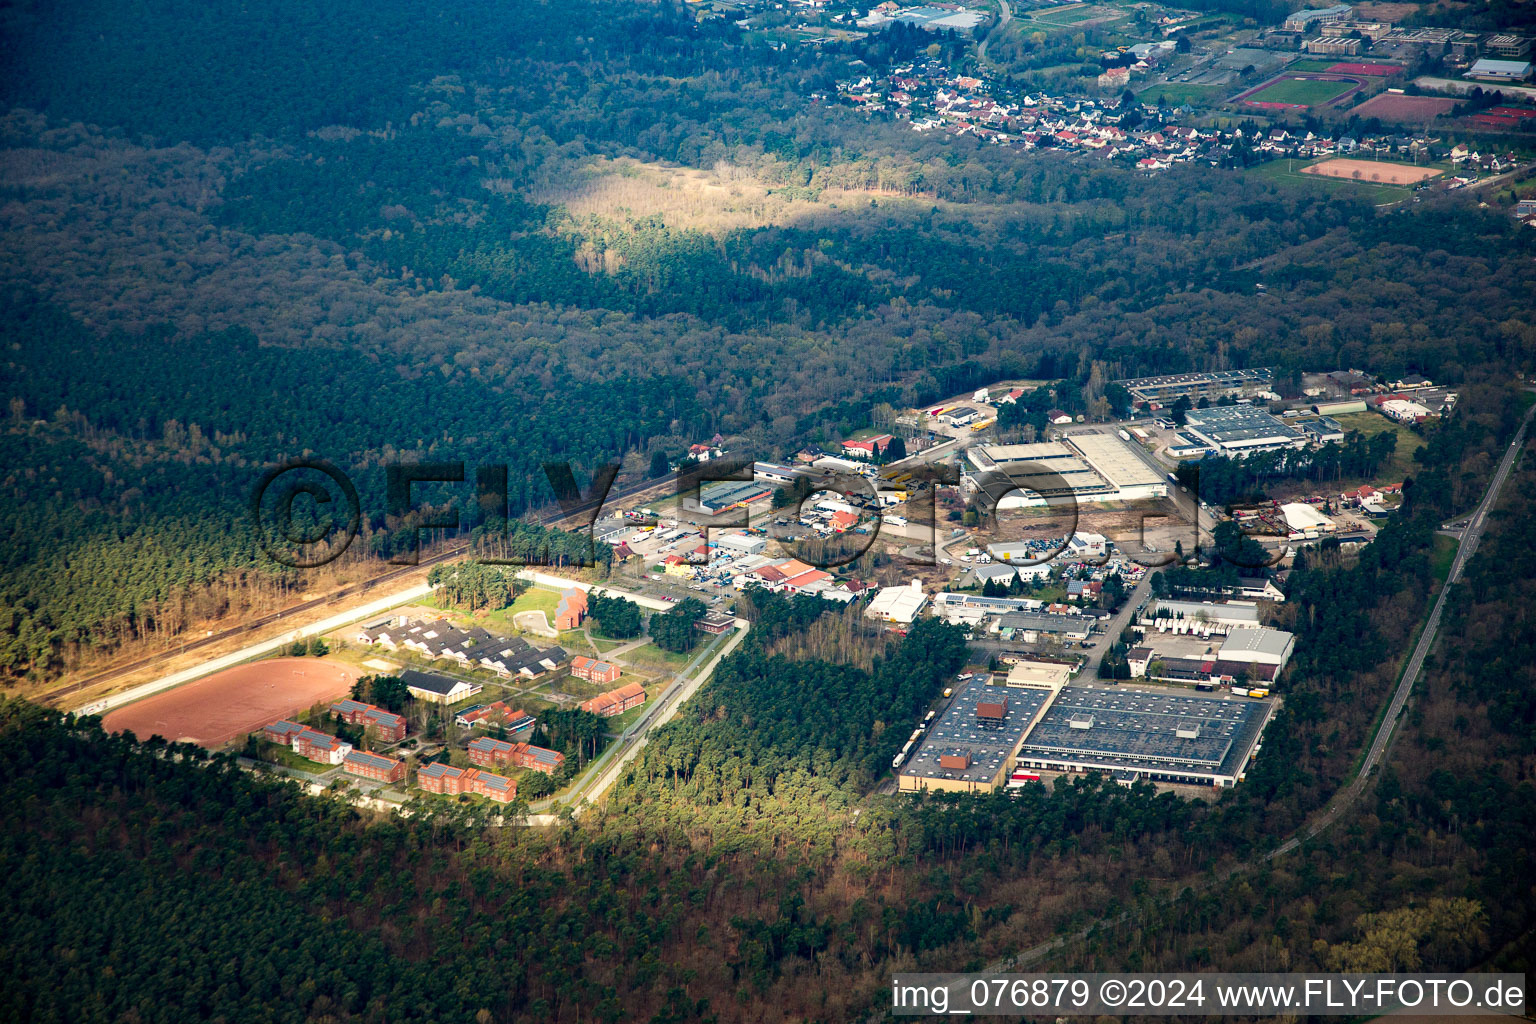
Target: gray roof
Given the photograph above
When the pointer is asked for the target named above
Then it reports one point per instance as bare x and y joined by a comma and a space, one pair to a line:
429, 681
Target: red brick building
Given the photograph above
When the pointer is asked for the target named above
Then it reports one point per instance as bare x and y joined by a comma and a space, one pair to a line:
373, 766
320, 746
616, 702
390, 726
571, 609
594, 671
282, 732
450, 781
490, 753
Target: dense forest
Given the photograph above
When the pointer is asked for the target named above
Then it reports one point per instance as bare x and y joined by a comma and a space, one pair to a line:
743, 871
493, 240
514, 233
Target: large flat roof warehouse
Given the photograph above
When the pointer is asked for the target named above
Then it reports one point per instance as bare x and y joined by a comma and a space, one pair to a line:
960, 754
1241, 428
1169, 737
1168, 387
1115, 462
1096, 467
897, 604
716, 497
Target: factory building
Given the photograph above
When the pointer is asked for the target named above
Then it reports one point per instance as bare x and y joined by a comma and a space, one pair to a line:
1134, 733
970, 748
1079, 467
1167, 389
1240, 430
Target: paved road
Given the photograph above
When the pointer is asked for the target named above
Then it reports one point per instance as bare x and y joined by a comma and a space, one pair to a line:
1115, 626
1379, 745
351, 590
662, 711
1003, 19
1471, 536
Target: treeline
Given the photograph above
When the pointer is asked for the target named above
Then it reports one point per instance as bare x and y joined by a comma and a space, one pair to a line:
768, 741
1221, 480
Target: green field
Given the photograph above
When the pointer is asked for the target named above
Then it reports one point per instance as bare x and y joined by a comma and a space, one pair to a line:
1370, 424
534, 599
1311, 64
1304, 91
1288, 170
1065, 17
1176, 93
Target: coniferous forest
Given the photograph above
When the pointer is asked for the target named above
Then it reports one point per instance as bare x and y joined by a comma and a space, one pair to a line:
517, 233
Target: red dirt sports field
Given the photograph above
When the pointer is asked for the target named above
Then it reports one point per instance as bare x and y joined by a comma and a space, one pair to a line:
218, 708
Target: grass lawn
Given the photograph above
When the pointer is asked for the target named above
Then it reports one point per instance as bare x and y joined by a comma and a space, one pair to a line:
618, 723
1442, 556
1307, 91
274, 753
1310, 64
1370, 424
1176, 93
651, 656
534, 599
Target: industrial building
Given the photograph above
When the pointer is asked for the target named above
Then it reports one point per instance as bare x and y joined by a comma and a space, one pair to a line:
1490, 70
897, 604
741, 544
1164, 737
1201, 616
1166, 390
1079, 467
1259, 653
971, 746
1239, 430
1027, 625
1305, 522
1050, 675
722, 495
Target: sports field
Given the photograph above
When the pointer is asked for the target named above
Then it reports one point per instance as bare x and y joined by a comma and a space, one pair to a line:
218, 708
1372, 170
1389, 106
1301, 92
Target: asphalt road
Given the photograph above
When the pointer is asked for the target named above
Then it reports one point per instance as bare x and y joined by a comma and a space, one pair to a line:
1380, 745
351, 590
1471, 536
